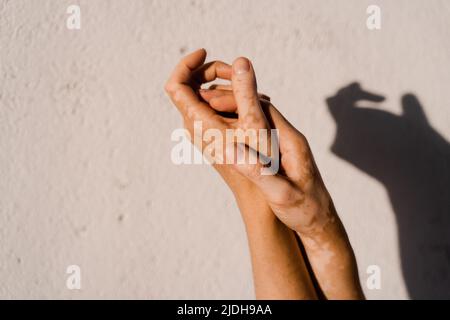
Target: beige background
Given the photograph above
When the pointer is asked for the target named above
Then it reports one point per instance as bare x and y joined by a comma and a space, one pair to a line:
85, 170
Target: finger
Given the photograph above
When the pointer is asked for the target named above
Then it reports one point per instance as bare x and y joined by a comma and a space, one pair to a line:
290, 139
225, 103
223, 100
179, 86
243, 82
182, 74
227, 87
208, 94
217, 91
211, 71
221, 87
219, 100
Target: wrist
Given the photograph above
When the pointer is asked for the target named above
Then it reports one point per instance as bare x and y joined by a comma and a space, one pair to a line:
320, 218
324, 232
255, 210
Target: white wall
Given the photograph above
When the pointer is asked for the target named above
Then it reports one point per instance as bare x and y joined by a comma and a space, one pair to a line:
85, 170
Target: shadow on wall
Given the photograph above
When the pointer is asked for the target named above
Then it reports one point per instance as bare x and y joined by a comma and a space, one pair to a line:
412, 161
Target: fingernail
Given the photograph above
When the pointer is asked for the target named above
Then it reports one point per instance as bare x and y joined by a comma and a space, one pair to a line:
241, 65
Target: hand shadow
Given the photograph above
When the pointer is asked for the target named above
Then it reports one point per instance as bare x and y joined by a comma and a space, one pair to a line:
412, 161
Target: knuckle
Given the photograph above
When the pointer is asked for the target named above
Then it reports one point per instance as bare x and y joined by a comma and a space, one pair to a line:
302, 141
171, 88
190, 116
299, 146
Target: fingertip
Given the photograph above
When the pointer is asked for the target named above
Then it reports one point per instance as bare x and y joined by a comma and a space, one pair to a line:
241, 65
195, 59
225, 71
245, 91
197, 53
217, 103
200, 51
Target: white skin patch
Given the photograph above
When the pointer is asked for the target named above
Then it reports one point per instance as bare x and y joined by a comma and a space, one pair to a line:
323, 260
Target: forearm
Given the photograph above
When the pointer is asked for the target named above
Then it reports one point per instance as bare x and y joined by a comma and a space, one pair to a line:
279, 269
332, 260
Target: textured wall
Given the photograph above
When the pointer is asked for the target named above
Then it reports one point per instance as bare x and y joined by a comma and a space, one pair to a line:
85, 170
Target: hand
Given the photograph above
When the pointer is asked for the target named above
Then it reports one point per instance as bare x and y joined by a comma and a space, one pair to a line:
296, 194
279, 269
183, 87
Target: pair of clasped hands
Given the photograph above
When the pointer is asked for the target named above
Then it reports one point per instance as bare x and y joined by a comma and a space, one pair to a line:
298, 245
